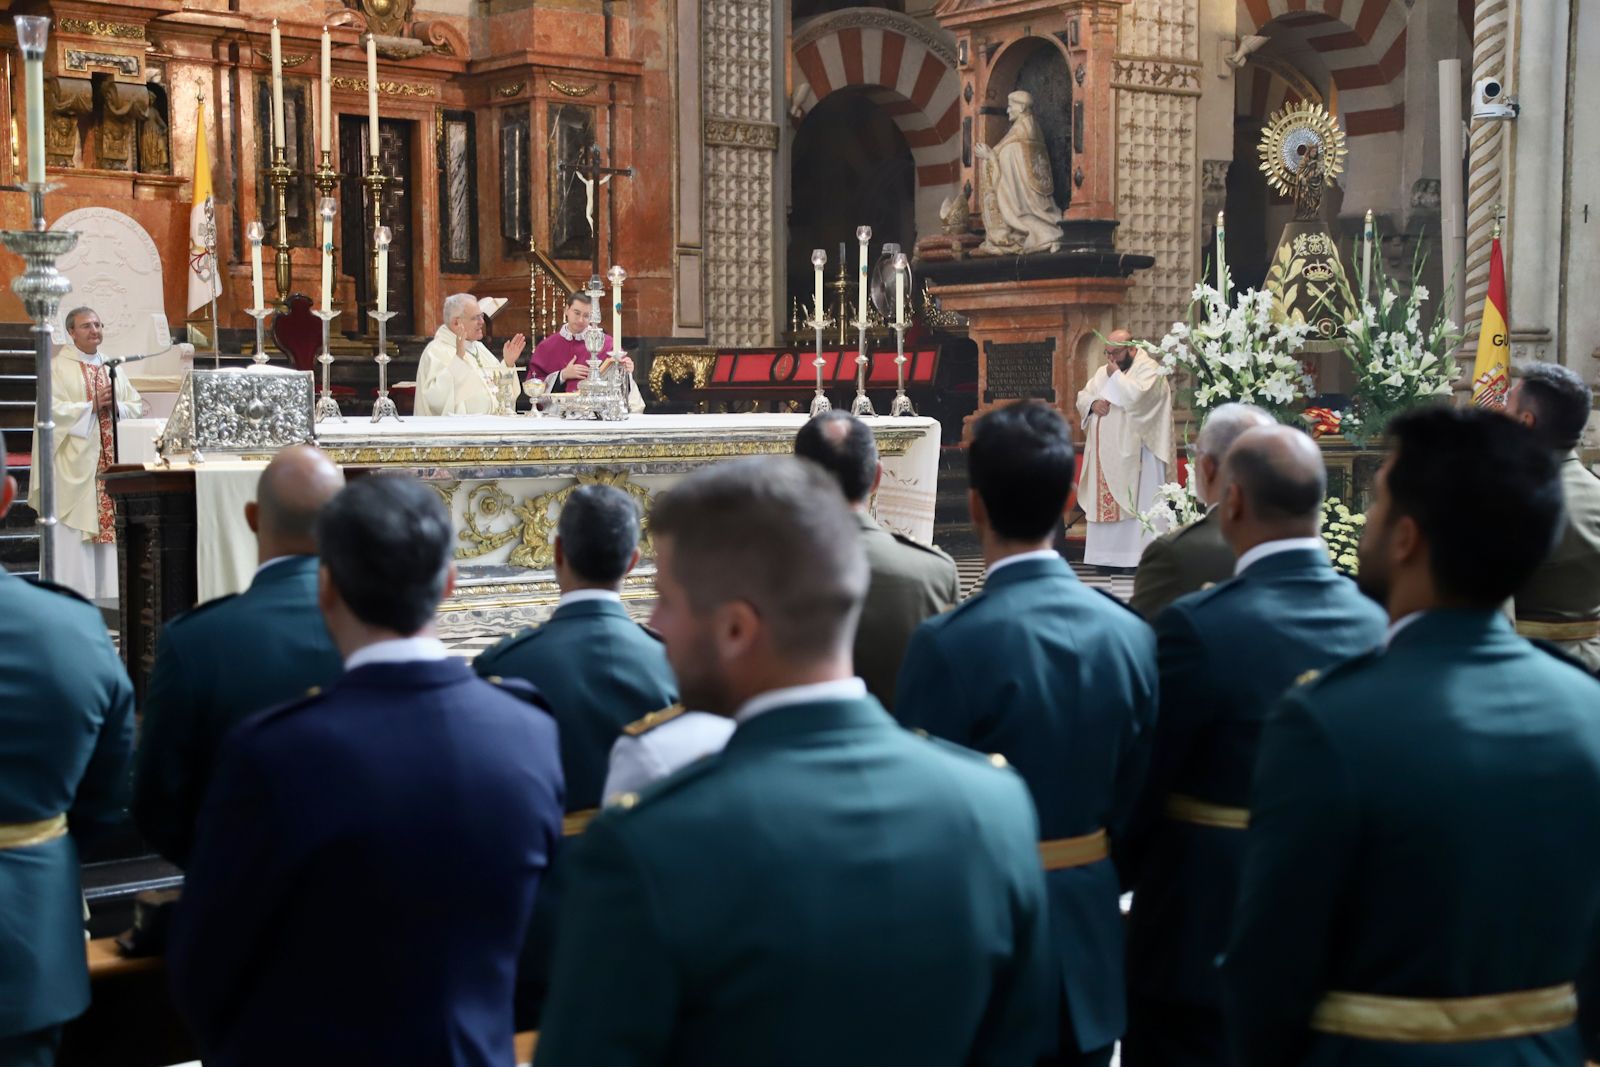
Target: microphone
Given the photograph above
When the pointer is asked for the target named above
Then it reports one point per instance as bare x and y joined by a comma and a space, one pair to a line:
120, 360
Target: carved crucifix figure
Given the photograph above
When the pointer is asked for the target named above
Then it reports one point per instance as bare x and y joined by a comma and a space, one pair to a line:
593, 175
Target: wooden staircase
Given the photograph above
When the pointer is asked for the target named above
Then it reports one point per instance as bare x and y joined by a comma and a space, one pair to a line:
19, 539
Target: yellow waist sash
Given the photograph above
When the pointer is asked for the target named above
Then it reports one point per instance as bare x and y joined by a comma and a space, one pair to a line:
1417, 1020
1204, 813
1063, 853
1577, 630
23, 834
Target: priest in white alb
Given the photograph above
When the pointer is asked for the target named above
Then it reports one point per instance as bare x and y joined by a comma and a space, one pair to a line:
84, 537
457, 374
1127, 426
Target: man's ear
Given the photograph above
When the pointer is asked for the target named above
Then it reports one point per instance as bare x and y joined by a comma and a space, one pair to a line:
1406, 542
449, 580
977, 509
634, 562
252, 517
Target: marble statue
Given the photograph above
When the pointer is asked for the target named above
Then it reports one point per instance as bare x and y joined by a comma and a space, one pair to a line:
1020, 215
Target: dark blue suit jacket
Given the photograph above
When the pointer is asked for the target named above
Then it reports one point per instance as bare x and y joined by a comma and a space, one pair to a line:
365, 867
1061, 681
1227, 655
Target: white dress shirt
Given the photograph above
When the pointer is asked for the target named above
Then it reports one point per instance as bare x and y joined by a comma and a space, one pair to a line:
398, 650
578, 596
772, 699
1038, 553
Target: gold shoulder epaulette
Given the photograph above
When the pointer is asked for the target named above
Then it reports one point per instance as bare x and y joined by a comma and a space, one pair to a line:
652, 720
1307, 677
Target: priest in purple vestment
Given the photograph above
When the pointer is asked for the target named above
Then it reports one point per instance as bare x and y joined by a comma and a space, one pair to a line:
561, 359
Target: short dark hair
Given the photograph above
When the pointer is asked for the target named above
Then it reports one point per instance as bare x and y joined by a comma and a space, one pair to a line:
386, 541
1561, 402
599, 529
842, 445
579, 296
773, 531
1020, 462
1276, 486
1484, 492
72, 316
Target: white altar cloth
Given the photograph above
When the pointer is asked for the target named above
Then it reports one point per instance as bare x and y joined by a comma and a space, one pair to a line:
478, 460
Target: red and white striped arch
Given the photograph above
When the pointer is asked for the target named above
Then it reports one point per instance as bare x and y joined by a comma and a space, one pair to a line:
1363, 45
905, 69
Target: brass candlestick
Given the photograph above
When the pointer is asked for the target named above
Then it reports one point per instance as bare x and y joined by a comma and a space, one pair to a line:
326, 178
375, 182
279, 174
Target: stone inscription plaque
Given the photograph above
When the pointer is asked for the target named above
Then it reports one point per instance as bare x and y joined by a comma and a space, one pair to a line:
1019, 370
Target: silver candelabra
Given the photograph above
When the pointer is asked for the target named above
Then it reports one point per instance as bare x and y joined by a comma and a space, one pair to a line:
327, 407
862, 405
383, 407
902, 403
819, 321
41, 287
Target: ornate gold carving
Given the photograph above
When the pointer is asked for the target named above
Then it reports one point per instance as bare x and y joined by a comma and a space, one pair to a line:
384, 16
359, 85
741, 134
506, 92
681, 365
534, 520
121, 108
97, 28
568, 89
82, 60
65, 100
291, 62
1295, 136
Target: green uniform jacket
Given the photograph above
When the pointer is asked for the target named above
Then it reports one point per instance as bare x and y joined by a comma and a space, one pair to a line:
66, 732
217, 665
1566, 586
1061, 681
1425, 822
828, 890
599, 670
1181, 561
1290, 613
910, 582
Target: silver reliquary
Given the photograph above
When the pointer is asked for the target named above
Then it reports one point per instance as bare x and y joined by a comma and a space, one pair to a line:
253, 409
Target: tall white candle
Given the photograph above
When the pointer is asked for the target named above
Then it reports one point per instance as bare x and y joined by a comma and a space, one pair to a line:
818, 258
327, 95
1366, 257
383, 268
278, 139
372, 95
34, 67
864, 235
1222, 253
256, 233
617, 276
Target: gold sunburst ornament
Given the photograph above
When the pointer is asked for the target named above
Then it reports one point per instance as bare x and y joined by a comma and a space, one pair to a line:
1302, 148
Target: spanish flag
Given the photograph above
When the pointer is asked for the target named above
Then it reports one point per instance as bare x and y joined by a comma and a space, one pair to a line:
205, 281
1491, 372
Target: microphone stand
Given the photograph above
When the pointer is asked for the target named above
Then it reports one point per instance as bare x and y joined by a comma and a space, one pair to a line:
116, 445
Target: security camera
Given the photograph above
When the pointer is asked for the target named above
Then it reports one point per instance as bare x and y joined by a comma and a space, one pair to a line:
1490, 102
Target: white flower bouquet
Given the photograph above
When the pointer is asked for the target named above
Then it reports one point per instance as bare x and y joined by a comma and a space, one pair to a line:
1398, 363
1341, 532
1175, 505
1237, 350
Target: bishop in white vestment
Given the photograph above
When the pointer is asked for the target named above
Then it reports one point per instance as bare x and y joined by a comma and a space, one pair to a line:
1127, 426
84, 537
456, 370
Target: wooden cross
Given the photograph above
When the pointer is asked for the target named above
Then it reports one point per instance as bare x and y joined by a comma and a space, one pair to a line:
589, 170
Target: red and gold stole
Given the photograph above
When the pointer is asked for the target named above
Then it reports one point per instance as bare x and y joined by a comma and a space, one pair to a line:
93, 377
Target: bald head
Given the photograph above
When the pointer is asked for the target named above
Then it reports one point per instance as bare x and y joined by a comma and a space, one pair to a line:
1120, 349
1273, 481
292, 490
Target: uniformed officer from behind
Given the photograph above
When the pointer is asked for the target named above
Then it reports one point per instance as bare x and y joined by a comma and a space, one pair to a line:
1227, 655
66, 717
819, 892
1061, 681
1422, 876
598, 669
231, 657
368, 856
1560, 602
910, 581
1195, 556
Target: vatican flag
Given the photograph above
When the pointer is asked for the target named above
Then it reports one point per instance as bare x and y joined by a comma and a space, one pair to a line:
205, 281
1491, 372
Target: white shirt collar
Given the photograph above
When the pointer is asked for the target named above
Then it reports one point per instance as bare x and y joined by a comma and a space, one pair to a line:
72, 351
1272, 548
1040, 553
398, 650
568, 334
839, 689
273, 560
578, 596
1400, 624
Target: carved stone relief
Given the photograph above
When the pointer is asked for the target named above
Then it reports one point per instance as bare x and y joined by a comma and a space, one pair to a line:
122, 107
66, 99
740, 158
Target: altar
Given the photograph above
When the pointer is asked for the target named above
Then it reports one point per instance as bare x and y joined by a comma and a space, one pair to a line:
182, 537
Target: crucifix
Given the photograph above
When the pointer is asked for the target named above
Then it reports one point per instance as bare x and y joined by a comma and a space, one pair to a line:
589, 171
